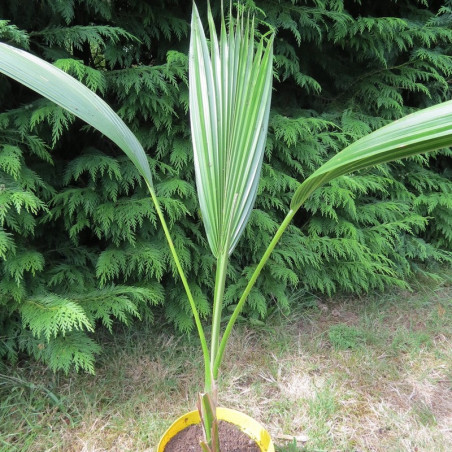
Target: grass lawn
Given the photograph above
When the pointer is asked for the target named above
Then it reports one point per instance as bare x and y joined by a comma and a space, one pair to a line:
369, 374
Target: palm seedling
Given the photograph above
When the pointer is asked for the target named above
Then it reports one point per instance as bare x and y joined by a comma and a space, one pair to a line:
230, 84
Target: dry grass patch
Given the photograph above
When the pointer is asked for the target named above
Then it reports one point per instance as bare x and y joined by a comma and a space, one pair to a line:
373, 375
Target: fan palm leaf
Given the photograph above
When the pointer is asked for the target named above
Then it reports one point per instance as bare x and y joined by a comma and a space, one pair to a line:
230, 90
427, 130
75, 97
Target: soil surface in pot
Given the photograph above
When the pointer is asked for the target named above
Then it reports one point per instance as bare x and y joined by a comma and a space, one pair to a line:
232, 439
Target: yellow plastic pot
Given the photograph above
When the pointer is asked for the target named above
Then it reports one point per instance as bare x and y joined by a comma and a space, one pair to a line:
247, 424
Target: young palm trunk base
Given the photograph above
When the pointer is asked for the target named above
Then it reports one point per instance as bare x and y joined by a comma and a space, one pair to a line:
207, 407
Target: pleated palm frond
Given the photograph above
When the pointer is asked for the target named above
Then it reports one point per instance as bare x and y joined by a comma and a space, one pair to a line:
230, 90
75, 97
426, 130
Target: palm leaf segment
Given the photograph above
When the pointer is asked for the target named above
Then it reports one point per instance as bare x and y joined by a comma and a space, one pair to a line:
75, 97
426, 130
230, 91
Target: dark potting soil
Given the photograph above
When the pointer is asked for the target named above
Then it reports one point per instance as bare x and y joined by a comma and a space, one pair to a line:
232, 439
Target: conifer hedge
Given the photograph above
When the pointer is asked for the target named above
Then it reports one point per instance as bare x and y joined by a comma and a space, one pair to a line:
79, 242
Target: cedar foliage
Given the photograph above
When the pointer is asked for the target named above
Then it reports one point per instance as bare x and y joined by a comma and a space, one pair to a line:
79, 242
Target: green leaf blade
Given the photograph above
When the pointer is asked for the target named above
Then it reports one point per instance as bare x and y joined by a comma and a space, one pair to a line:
229, 122
75, 97
427, 130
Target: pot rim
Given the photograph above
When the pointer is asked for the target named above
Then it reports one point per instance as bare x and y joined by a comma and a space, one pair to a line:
247, 424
